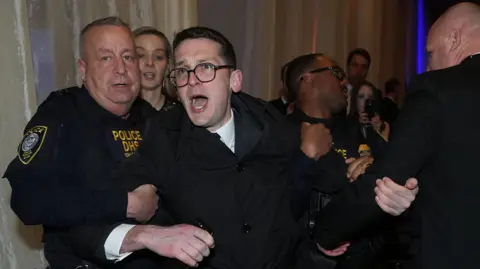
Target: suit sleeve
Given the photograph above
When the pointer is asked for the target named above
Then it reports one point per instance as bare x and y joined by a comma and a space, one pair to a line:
46, 188
410, 147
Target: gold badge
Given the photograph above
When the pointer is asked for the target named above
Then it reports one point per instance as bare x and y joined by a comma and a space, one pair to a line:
364, 150
31, 143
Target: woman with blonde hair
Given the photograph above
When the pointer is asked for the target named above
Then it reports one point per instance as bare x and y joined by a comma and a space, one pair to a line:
154, 55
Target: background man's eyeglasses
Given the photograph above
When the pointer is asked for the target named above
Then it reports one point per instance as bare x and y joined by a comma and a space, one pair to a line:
337, 72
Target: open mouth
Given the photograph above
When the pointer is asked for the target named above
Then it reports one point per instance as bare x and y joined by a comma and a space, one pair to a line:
198, 103
149, 75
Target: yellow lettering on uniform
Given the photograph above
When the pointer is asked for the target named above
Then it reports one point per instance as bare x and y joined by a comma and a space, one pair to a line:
125, 146
139, 136
121, 134
131, 145
128, 135
129, 139
342, 152
115, 135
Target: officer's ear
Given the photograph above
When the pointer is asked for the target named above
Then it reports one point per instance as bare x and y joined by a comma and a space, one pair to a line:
82, 67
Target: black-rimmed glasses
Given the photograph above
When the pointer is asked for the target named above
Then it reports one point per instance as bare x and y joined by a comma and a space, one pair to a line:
336, 70
204, 72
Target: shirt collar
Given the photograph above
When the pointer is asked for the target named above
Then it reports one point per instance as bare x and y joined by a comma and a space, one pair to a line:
227, 133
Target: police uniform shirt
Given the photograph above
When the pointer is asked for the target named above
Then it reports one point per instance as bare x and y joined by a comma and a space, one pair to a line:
66, 145
114, 240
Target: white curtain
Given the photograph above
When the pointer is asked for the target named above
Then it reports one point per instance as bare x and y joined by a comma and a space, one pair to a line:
55, 28
39, 49
268, 33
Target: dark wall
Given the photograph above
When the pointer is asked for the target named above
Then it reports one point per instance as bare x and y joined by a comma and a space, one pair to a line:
435, 8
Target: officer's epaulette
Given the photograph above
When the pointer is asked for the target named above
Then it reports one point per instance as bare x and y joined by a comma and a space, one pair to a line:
58, 95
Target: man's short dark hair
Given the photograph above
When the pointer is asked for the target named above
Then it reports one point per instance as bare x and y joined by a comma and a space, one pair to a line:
107, 21
147, 30
359, 51
226, 48
298, 67
391, 85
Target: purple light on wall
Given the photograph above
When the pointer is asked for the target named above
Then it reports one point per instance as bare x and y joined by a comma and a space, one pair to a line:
421, 37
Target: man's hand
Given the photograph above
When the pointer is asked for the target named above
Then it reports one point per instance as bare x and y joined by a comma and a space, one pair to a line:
336, 252
394, 199
316, 140
186, 243
142, 203
357, 167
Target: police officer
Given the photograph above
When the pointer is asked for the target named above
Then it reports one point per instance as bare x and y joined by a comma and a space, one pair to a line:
77, 138
320, 87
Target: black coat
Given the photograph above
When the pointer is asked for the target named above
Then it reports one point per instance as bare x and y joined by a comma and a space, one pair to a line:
243, 197
436, 139
279, 105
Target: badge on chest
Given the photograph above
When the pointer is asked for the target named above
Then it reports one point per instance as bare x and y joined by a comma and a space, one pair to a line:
125, 140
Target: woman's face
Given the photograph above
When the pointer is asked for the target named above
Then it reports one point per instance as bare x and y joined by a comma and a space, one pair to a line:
152, 58
364, 93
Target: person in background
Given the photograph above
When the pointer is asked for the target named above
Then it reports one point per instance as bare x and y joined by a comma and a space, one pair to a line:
365, 110
358, 65
389, 107
154, 55
284, 103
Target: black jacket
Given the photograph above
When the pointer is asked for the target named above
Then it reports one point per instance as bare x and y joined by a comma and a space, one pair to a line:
317, 182
279, 105
436, 139
243, 197
60, 177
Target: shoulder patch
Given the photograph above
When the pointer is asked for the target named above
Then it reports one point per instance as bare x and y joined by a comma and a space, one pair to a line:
31, 143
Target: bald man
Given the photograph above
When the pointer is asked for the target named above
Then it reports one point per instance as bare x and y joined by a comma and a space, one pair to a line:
437, 140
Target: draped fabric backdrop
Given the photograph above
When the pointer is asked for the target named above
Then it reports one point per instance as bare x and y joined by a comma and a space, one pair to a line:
268, 33
55, 29
39, 53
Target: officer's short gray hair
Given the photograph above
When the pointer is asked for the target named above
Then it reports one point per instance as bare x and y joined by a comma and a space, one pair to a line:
107, 21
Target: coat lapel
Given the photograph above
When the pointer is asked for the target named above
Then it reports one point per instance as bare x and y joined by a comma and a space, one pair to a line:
248, 130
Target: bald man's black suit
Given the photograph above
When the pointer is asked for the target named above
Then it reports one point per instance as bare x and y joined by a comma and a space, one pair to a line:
437, 140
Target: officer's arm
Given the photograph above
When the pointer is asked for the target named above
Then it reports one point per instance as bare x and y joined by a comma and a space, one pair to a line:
47, 187
409, 148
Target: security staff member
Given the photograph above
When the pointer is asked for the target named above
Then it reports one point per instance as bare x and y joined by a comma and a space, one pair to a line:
79, 135
320, 87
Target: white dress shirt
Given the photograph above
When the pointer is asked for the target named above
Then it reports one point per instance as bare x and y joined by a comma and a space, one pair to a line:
115, 238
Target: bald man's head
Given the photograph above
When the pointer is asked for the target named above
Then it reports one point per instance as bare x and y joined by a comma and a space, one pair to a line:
454, 36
